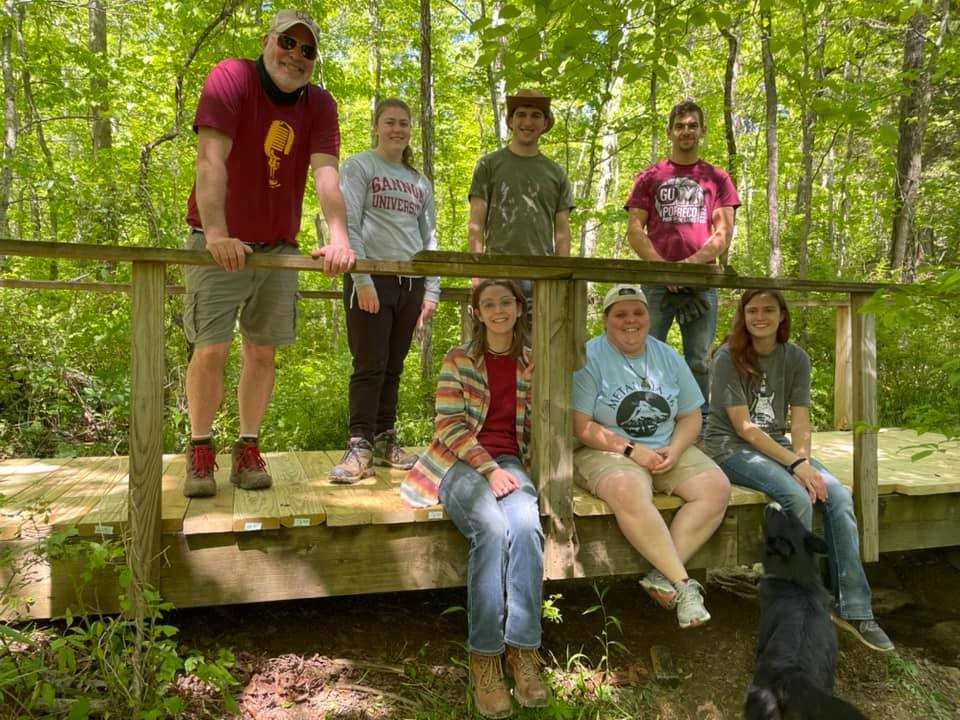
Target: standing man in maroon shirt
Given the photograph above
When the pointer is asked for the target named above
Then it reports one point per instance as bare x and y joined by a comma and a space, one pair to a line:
682, 209
261, 127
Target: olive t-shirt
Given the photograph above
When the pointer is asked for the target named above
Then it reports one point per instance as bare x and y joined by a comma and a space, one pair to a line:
523, 196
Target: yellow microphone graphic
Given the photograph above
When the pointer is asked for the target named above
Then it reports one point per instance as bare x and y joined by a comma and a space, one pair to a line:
279, 141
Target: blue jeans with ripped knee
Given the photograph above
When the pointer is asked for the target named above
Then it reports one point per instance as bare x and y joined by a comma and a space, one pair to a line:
850, 587
505, 564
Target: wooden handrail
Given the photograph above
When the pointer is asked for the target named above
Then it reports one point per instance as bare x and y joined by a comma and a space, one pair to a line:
560, 304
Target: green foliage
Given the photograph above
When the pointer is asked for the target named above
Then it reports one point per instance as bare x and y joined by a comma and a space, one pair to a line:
92, 665
917, 337
609, 623
613, 70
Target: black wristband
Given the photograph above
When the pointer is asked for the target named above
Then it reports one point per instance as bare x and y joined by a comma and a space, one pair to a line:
628, 450
793, 466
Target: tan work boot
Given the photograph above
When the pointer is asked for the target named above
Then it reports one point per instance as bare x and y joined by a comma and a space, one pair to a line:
387, 452
489, 689
249, 471
528, 687
356, 463
201, 462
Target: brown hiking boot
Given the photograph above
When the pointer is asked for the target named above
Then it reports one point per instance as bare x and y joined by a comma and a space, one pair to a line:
356, 463
528, 687
387, 452
201, 463
489, 689
248, 470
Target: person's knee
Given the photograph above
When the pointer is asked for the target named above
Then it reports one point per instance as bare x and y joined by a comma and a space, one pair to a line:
492, 532
797, 500
699, 368
210, 357
716, 489
261, 356
622, 490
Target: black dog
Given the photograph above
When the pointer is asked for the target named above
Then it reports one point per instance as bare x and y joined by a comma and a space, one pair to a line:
796, 645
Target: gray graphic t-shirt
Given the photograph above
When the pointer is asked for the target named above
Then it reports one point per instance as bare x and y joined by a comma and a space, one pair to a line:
523, 196
784, 382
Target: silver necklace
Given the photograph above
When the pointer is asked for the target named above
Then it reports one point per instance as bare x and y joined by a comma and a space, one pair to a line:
644, 385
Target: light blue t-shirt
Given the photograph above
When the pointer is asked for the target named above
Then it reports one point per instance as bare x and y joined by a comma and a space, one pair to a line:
636, 397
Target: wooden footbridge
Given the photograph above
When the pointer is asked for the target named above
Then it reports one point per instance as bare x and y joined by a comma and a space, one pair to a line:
308, 538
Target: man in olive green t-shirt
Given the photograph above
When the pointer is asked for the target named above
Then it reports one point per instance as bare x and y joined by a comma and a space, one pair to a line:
520, 200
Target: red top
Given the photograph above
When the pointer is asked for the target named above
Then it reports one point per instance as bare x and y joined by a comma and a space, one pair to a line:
272, 143
680, 200
498, 436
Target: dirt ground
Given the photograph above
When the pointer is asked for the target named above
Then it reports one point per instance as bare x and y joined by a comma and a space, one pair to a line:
403, 655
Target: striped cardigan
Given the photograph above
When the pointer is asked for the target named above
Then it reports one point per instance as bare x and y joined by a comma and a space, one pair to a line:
463, 397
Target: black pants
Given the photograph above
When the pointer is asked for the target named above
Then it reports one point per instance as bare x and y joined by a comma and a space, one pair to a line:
379, 343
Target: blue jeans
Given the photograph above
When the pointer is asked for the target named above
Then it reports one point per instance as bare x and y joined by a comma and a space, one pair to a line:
850, 587
505, 565
697, 335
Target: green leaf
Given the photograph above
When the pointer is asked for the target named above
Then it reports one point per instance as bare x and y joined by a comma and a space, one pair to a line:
888, 134
80, 709
15, 635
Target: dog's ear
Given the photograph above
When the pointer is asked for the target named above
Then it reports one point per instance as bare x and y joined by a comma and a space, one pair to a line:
814, 544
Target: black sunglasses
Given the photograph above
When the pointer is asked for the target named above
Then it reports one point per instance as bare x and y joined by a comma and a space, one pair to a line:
289, 43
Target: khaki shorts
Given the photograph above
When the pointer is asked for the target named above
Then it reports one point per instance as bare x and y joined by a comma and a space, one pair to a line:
265, 298
591, 466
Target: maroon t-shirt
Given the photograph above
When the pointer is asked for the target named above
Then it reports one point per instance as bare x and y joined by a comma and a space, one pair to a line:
270, 158
680, 200
498, 436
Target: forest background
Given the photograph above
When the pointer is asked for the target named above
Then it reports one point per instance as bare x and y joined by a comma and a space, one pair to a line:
836, 121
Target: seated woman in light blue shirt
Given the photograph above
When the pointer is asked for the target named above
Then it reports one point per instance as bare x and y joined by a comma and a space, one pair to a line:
637, 412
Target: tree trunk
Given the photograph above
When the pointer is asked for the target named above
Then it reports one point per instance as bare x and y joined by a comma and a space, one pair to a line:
655, 127
426, 142
804, 201
10, 122
376, 56
733, 37
773, 151
100, 128
606, 138
914, 111
495, 88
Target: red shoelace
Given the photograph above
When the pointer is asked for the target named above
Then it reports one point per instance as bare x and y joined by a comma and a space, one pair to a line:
203, 460
250, 457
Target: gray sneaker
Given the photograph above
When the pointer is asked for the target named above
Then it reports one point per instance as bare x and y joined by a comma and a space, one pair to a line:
866, 631
387, 452
690, 609
659, 588
356, 463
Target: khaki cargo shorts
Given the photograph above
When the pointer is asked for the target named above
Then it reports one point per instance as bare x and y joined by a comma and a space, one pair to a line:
591, 466
264, 298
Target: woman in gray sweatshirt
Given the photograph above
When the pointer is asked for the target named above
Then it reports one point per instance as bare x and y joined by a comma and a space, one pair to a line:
390, 216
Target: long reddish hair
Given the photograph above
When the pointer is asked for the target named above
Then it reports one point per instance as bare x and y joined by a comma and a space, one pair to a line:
740, 341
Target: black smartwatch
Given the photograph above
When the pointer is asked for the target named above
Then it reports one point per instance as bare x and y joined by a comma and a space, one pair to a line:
795, 464
628, 450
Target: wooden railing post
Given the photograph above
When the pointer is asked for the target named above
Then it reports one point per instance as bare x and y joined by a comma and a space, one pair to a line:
865, 481
555, 303
146, 425
842, 366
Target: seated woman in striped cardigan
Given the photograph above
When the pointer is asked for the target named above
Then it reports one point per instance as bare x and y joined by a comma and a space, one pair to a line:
476, 465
